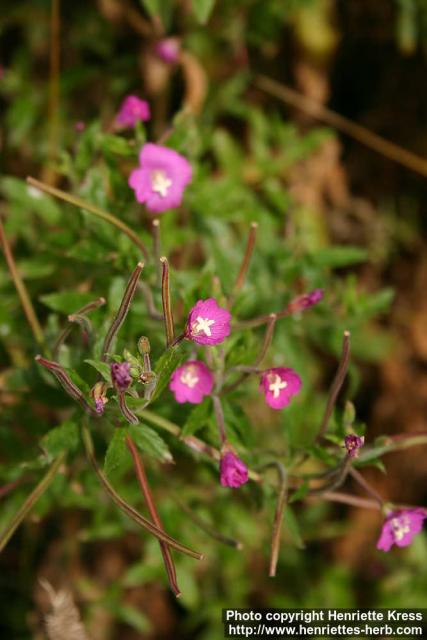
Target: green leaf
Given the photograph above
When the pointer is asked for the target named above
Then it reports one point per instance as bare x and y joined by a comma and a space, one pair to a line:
293, 527
65, 437
202, 9
66, 301
134, 618
339, 256
118, 146
102, 367
117, 455
349, 415
300, 493
197, 418
150, 442
166, 365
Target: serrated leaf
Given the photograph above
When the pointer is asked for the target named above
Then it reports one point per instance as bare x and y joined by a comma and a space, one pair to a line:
165, 366
117, 455
102, 367
65, 437
197, 418
150, 442
202, 9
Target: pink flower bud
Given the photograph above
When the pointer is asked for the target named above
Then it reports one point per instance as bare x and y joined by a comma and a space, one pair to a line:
132, 110
233, 472
120, 375
353, 443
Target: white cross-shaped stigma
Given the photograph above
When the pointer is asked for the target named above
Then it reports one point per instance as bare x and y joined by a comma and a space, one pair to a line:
160, 183
400, 527
277, 385
203, 324
189, 378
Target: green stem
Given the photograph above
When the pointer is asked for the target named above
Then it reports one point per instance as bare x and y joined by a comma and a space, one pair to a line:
24, 510
191, 441
87, 206
264, 348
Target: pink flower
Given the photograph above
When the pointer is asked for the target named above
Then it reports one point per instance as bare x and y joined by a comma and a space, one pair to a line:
400, 527
233, 472
168, 50
161, 177
353, 443
120, 375
305, 301
279, 385
208, 323
132, 110
191, 382
79, 126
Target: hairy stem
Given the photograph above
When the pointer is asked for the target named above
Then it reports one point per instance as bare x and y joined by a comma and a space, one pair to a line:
246, 258
345, 498
146, 492
66, 383
87, 206
278, 516
126, 412
126, 507
190, 441
67, 330
363, 483
219, 416
336, 385
337, 478
265, 346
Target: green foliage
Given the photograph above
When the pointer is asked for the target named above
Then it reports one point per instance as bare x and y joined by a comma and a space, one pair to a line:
245, 153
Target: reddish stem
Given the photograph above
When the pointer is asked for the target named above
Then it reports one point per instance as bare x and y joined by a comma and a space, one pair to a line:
143, 482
